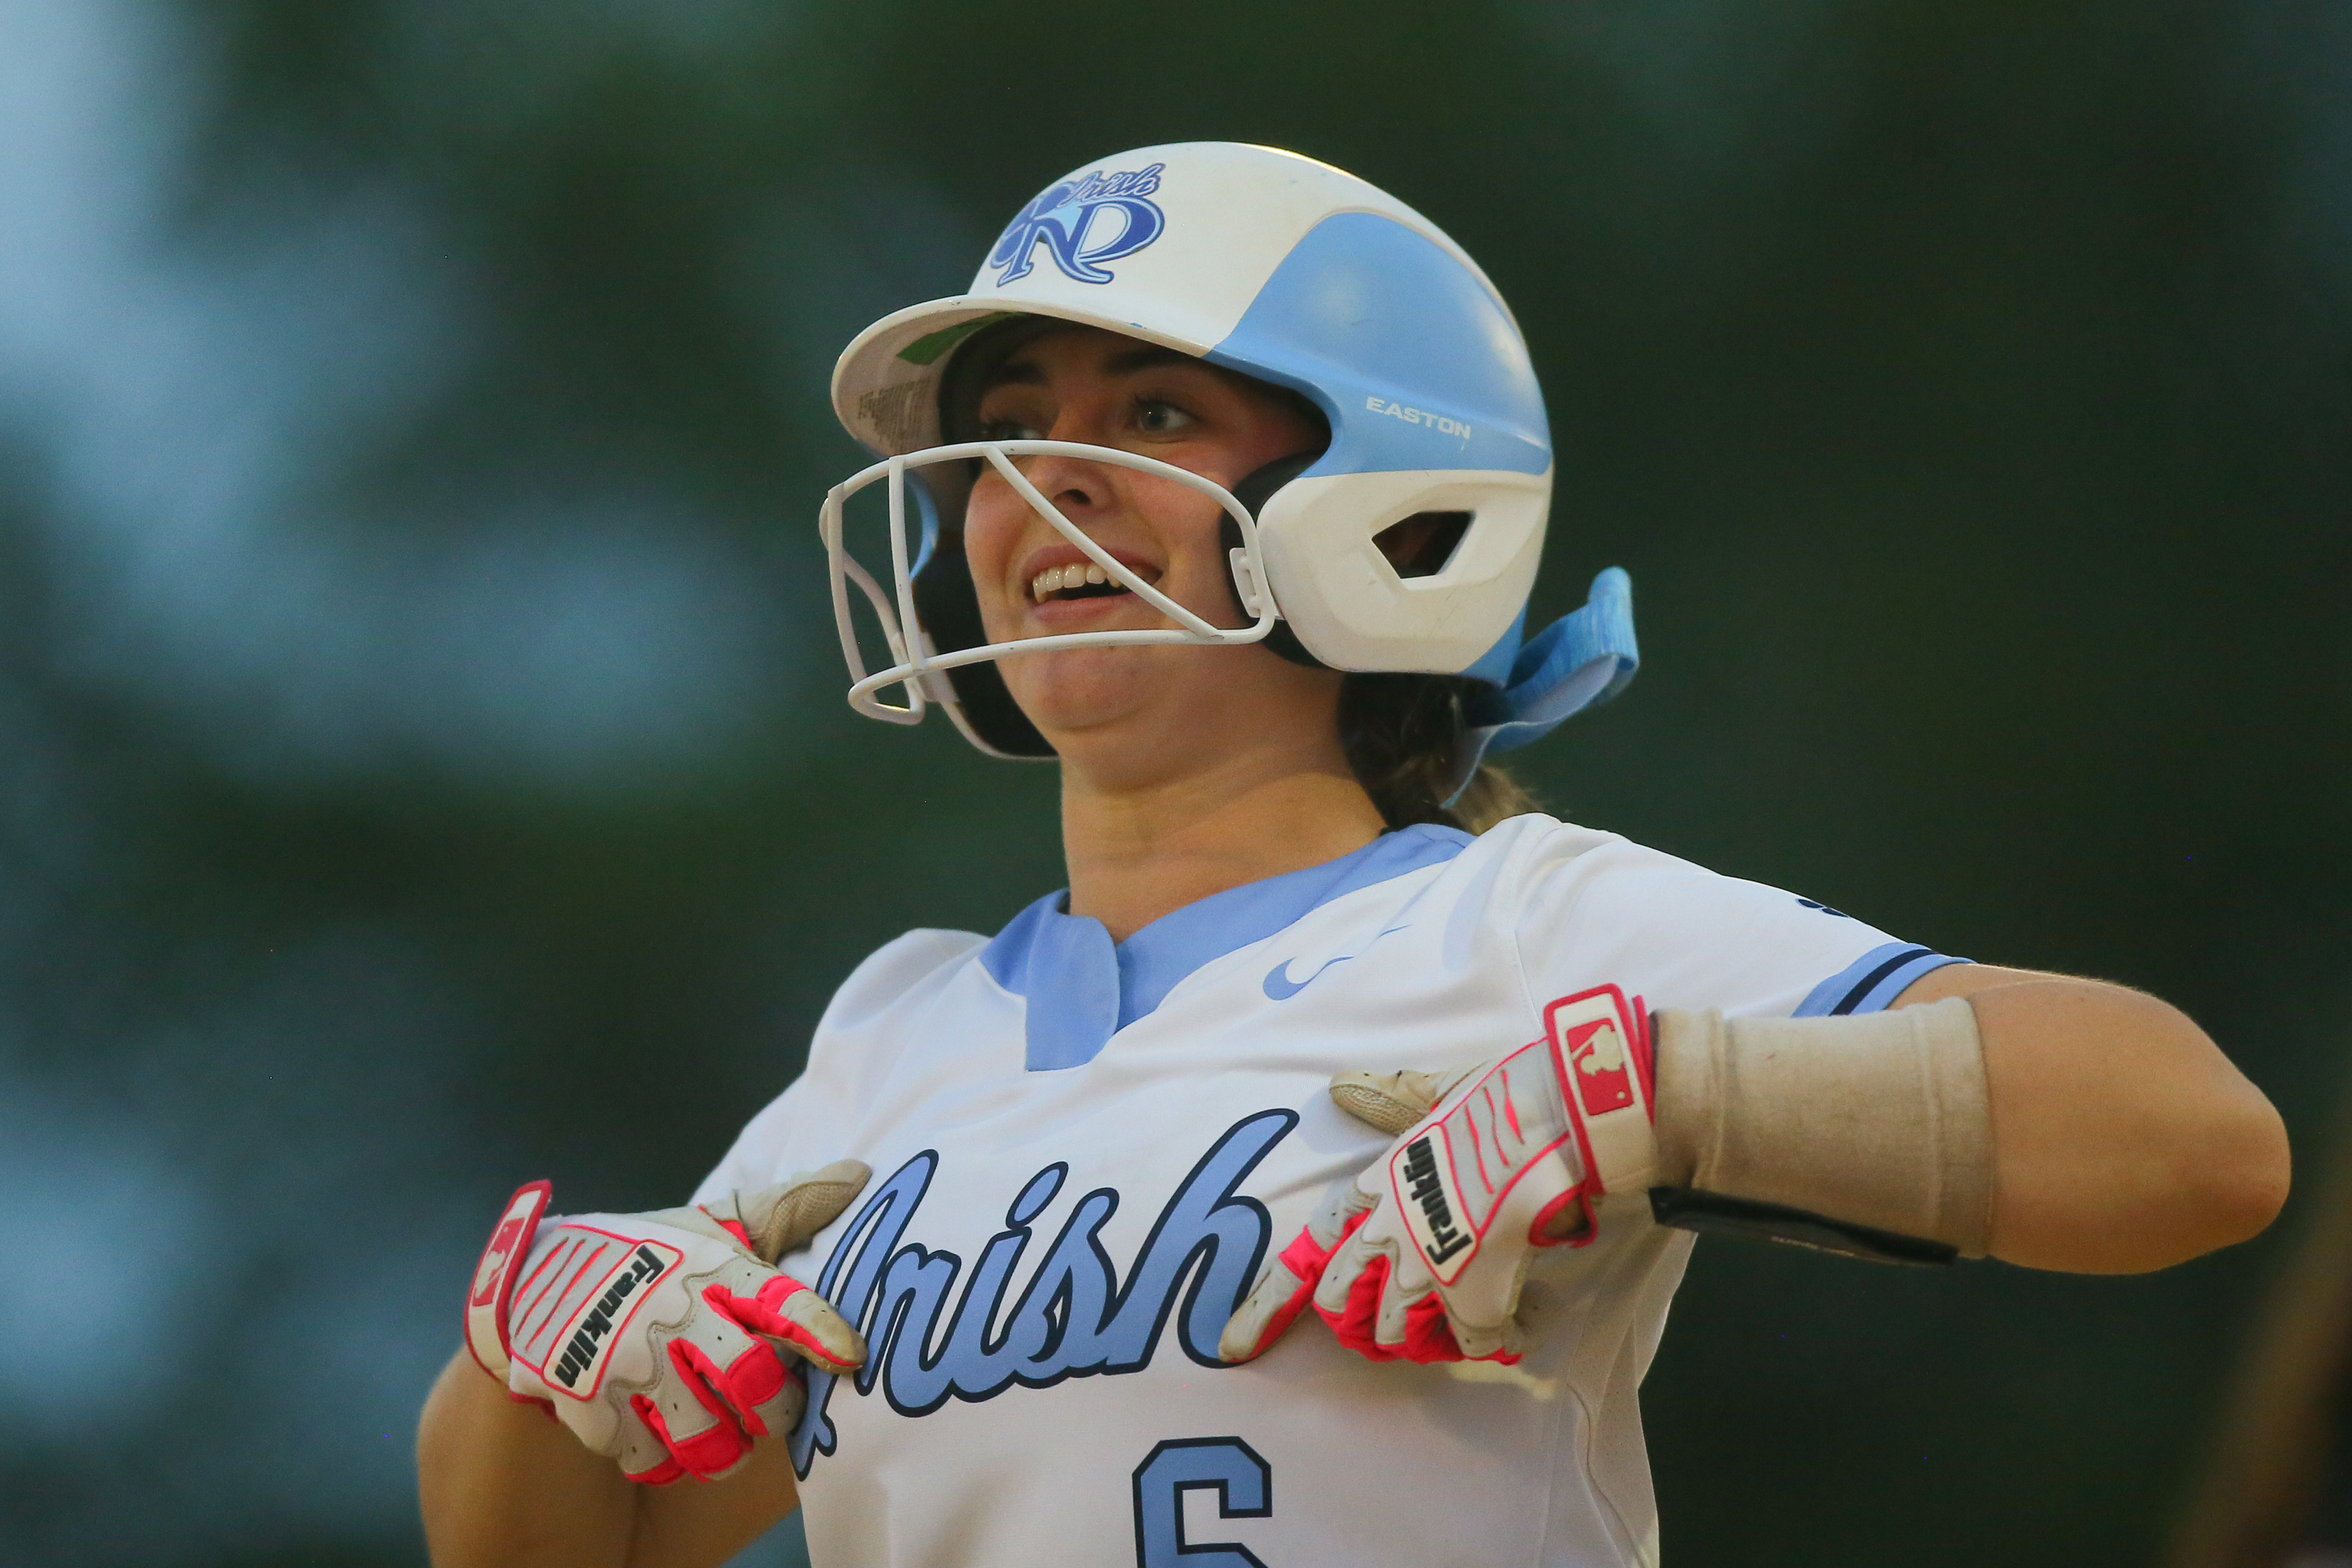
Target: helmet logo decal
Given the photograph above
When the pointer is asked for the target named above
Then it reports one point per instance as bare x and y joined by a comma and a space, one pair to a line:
1418, 417
1083, 223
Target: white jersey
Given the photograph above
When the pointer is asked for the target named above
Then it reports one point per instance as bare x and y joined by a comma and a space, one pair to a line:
1082, 1152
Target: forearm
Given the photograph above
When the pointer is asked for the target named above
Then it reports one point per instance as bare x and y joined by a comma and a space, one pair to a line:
2051, 1122
504, 1487
2123, 1139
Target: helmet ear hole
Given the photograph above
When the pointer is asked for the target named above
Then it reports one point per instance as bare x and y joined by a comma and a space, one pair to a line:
1421, 544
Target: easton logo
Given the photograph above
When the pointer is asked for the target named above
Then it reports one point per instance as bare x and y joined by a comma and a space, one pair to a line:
1438, 422
1431, 1207
1082, 224
592, 1330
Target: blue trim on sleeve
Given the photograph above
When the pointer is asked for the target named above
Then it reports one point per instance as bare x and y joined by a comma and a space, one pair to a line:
1872, 983
1082, 989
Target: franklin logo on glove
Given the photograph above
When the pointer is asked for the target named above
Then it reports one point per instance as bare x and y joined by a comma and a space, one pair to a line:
1432, 1209
594, 1320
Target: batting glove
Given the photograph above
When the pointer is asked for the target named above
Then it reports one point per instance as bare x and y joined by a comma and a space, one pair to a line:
1422, 1256
663, 1340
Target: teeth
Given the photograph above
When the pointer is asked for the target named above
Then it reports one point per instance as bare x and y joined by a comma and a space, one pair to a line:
1056, 579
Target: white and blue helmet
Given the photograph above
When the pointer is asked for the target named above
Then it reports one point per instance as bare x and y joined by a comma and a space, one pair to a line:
1298, 273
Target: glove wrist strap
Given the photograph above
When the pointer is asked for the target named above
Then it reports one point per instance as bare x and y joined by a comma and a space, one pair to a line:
495, 1276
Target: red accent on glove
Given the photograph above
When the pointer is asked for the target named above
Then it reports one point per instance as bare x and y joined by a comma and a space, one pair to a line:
1645, 1058
669, 1470
1354, 1323
1540, 1228
763, 1313
1304, 1260
1428, 1337
713, 1449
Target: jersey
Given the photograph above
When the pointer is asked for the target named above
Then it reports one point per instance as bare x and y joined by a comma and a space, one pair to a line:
1082, 1150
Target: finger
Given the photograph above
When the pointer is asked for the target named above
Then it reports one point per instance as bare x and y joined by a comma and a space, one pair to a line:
782, 1413
1338, 1218
1391, 1101
1356, 1313
1496, 1344
1288, 1282
1266, 1313
1401, 1288
787, 1310
1347, 1263
647, 1460
743, 1373
690, 1417
1428, 1335
784, 1216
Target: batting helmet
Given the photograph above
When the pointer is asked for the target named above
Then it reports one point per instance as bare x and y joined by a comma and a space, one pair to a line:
1298, 273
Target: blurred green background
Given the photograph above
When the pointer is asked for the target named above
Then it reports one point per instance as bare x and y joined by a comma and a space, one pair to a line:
423, 760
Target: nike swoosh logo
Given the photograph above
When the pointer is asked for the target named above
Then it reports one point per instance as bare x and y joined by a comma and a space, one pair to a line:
1280, 987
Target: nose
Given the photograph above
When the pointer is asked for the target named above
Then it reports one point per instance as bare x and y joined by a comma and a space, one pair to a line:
1070, 483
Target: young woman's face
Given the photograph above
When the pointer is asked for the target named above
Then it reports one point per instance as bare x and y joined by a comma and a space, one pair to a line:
1096, 387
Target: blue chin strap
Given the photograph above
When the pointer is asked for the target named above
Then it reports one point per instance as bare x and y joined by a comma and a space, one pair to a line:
1577, 662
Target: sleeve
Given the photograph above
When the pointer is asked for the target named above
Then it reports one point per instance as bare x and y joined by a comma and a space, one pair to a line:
849, 1056
1594, 908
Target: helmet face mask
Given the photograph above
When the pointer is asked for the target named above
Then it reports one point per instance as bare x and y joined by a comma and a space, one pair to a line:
1286, 271
921, 668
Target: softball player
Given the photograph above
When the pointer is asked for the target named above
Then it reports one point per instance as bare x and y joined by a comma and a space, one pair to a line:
1307, 1182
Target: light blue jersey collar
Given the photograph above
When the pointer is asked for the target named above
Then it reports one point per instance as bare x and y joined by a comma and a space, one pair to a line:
1082, 988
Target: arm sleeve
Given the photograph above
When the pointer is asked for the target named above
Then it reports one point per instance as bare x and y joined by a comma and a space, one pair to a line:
1594, 908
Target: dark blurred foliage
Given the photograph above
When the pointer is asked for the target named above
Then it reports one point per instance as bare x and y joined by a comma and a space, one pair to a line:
422, 759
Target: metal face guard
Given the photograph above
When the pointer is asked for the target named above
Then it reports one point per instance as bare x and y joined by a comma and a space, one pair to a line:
919, 669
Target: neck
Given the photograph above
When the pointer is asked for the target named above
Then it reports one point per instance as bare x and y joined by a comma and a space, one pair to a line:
1140, 848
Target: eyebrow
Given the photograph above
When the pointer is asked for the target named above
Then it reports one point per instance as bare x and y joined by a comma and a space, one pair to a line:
1145, 358
1020, 371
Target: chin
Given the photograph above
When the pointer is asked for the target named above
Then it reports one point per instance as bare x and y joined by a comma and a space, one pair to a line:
1088, 689
1076, 692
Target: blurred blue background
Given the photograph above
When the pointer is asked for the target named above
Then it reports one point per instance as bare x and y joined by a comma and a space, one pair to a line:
423, 760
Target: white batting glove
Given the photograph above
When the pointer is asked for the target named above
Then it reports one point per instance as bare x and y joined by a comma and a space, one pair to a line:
663, 1340
1423, 1256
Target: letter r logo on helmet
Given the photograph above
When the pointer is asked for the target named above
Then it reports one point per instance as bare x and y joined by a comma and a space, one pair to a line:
1083, 223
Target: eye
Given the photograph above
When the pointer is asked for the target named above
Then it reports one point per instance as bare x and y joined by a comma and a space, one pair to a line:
1009, 430
1156, 416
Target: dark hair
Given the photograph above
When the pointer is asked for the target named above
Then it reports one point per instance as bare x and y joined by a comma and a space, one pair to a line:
1401, 734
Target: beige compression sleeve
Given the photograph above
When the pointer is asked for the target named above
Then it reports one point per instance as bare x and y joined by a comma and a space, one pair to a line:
1879, 1120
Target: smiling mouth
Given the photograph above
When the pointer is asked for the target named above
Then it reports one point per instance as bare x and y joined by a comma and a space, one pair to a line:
1084, 580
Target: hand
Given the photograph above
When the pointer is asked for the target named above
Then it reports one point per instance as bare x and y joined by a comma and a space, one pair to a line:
1422, 1256
663, 1340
